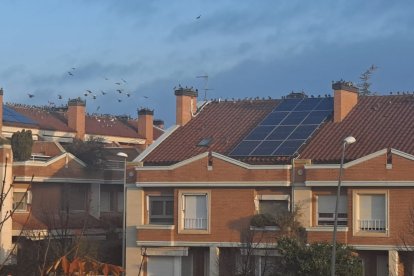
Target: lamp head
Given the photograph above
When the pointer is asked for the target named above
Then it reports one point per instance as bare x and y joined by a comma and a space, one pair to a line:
349, 140
122, 154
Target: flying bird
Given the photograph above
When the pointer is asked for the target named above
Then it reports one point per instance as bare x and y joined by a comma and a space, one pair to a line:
94, 97
106, 78
30, 95
124, 80
73, 68
85, 94
128, 95
118, 83
70, 73
60, 97
119, 91
198, 17
103, 92
119, 100
89, 91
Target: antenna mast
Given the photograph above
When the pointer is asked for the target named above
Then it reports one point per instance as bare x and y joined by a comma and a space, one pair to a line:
205, 77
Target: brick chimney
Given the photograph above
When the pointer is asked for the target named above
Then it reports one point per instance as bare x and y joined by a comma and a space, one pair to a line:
1, 111
145, 125
345, 98
186, 104
76, 117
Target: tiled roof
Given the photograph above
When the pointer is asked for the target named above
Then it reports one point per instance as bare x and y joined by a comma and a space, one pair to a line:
227, 123
46, 119
56, 119
377, 122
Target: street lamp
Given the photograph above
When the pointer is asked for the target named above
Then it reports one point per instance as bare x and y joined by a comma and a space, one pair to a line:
347, 141
125, 156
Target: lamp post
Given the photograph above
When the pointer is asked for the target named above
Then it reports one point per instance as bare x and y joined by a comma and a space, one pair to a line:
347, 141
125, 156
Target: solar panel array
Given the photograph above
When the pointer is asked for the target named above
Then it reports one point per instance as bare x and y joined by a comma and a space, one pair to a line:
10, 115
286, 128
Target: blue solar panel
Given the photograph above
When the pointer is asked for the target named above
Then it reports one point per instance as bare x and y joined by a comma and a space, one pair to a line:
260, 133
245, 148
288, 148
286, 128
274, 118
266, 148
10, 115
325, 104
287, 105
281, 133
308, 104
303, 132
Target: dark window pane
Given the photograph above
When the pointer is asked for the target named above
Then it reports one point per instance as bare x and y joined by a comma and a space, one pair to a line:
157, 207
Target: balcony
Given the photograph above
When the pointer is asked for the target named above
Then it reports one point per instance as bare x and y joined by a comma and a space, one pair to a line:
195, 223
374, 225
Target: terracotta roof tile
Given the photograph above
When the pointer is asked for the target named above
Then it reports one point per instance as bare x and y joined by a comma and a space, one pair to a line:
227, 123
377, 122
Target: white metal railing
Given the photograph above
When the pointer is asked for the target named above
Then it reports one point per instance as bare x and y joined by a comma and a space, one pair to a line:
371, 224
195, 223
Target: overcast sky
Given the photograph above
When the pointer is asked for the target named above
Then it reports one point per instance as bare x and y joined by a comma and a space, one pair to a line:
247, 49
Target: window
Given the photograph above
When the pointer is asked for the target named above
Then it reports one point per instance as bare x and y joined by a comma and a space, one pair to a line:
272, 207
370, 217
75, 197
372, 212
21, 201
326, 210
161, 209
111, 199
194, 213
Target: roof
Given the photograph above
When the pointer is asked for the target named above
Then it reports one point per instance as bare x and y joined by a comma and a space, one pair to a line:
49, 118
225, 122
377, 122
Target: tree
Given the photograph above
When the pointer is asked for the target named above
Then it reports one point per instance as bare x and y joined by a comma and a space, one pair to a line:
364, 85
298, 258
22, 143
89, 151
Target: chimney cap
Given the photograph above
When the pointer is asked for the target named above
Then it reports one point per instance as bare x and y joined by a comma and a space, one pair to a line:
76, 102
158, 122
344, 85
186, 91
145, 111
1, 91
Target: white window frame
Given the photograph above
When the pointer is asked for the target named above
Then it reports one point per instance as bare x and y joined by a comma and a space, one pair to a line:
356, 213
181, 211
148, 199
27, 202
333, 216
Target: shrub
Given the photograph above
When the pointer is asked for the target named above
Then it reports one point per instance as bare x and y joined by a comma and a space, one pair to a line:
22, 143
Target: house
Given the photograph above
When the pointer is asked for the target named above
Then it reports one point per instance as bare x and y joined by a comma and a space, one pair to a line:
55, 191
197, 188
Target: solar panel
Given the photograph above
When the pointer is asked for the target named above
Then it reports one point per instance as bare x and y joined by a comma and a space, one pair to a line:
10, 115
259, 133
286, 128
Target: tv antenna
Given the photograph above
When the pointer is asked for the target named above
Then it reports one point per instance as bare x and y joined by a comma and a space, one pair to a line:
205, 77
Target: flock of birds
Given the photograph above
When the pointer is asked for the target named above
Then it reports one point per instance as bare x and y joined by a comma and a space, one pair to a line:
120, 91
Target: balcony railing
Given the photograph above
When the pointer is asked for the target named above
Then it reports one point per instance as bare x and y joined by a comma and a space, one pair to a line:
371, 224
195, 223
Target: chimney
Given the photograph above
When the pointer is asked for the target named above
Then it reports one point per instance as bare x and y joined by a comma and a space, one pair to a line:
76, 117
145, 125
159, 123
186, 104
1, 111
345, 98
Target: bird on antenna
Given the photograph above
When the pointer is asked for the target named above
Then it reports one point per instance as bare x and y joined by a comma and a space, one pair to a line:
60, 97
98, 107
30, 95
85, 94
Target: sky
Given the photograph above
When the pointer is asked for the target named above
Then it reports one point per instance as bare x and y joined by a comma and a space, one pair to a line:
56, 50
